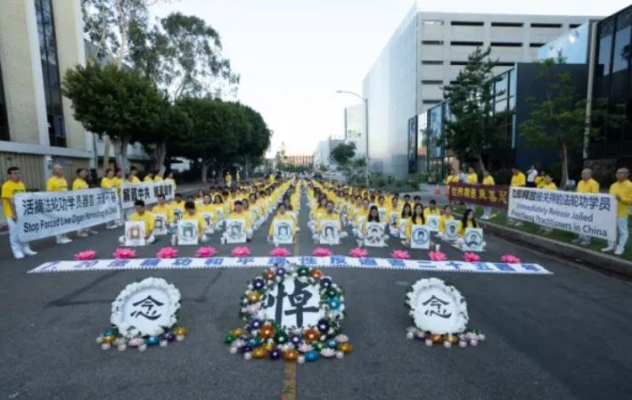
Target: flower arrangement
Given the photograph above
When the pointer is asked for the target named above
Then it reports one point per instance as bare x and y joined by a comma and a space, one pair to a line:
85, 255
240, 251
471, 257
112, 338
509, 259
437, 256
124, 253
206, 251
167, 252
322, 252
264, 336
280, 252
358, 252
400, 254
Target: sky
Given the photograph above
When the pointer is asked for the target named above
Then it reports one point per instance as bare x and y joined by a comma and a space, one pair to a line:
293, 55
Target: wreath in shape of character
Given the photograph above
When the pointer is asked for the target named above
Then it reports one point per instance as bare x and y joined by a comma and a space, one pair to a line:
439, 314
265, 337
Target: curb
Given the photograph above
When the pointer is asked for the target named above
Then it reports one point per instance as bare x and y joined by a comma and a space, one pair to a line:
601, 261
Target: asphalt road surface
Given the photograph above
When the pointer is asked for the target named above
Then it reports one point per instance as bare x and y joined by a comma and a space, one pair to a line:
564, 336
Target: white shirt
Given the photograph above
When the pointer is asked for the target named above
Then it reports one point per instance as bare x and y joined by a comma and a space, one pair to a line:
532, 174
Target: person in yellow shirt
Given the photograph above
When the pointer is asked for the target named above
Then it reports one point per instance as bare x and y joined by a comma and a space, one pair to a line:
326, 234
488, 180
163, 209
80, 183
447, 216
57, 183
177, 205
208, 211
518, 179
157, 177
169, 178
548, 185
237, 214
149, 178
117, 181
228, 179
107, 182
539, 180
418, 218
237, 176
468, 221
132, 177
282, 216
142, 215
10, 188
586, 185
622, 191
191, 214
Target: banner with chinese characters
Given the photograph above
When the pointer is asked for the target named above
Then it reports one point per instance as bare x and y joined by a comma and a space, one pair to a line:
484, 195
586, 214
45, 214
266, 262
148, 192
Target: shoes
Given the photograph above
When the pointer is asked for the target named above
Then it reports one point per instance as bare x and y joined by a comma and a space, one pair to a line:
584, 243
519, 223
27, 251
82, 234
618, 251
18, 256
64, 240
93, 232
607, 249
577, 240
113, 226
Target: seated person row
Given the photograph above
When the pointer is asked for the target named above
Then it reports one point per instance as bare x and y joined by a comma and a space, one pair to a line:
361, 233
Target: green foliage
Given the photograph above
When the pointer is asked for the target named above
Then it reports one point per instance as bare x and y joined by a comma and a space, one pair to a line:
471, 131
343, 153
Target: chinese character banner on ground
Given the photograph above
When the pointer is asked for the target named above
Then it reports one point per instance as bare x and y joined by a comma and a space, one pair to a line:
45, 214
586, 214
485, 195
148, 192
266, 262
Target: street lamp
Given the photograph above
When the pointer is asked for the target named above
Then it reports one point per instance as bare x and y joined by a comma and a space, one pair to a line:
366, 130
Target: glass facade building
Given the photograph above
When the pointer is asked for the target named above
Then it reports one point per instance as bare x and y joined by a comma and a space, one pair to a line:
4, 120
573, 46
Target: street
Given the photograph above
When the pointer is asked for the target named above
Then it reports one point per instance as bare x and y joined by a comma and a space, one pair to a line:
560, 336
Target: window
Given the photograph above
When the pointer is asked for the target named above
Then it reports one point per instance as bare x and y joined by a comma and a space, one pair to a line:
432, 42
430, 62
508, 24
536, 45
541, 25
50, 72
503, 44
475, 44
4, 121
605, 46
458, 62
573, 26
504, 64
431, 101
429, 82
431, 22
621, 53
466, 23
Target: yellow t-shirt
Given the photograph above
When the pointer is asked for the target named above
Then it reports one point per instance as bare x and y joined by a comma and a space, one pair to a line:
549, 186
328, 217
279, 217
171, 180
409, 226
428, 212
116, 182
489, 181
165, 209
80, 184
518, 180
442, 222
135, 180
590, 186
195, 217
56, 184
148, 179
157, 178
243, 216
461, 230
623, 189
9, 190
472, 178
147, 218
107, 183
229, 178
539, 181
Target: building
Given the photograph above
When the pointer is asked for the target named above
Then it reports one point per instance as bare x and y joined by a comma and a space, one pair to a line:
39, 40
322, 155
355, 129
426, 52
300, 160
610, 79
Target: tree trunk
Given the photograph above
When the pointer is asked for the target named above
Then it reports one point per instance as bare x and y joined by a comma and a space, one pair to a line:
161, 154
481, 164
106, 154
204, 169
564, 177
120, 144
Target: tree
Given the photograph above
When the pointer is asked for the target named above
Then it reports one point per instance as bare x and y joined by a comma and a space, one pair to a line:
471, 131
118, 103
343, 153
560, 119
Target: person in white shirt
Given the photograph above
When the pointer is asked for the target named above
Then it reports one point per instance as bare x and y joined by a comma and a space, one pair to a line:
532, 173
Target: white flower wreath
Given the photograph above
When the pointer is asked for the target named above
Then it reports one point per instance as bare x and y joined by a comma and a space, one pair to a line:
436, 307
143, 319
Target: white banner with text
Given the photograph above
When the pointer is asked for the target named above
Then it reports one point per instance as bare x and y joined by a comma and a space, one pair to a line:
146, 191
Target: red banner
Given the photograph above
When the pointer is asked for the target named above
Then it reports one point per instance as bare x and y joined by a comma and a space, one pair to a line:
496, 196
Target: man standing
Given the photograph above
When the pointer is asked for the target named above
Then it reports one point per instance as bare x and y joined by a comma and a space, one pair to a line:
471, 179
149, 178
57, 183
228, 179
517, 180
532, 173
107, 182
133, 176
10, 188
488, 180
80, 184
586, 185
622, 191
157, 177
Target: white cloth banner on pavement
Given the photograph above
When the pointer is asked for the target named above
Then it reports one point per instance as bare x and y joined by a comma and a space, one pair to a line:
588, 214
266, 262
45, 214
146, 191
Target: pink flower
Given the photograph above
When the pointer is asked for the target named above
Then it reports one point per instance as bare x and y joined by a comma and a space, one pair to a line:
322, 252
123, 252
253, 309
437, 256
471, 257
400, 254
85, 255
206, 251
509, 259
240, 251
280, 252
167, 252
358, 252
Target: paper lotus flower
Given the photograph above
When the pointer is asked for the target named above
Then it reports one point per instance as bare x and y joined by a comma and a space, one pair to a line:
471, 257
280, 252
85, 255
122, 253
206, 251
342, 338
167, 252
304, 348
327, 352
400, 254
509, 259
240, 251
322, 252
358, 252
437, 256
253, 309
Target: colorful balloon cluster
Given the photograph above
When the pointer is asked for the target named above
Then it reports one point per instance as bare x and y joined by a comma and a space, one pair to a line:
472, 337
112, 338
